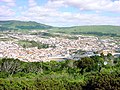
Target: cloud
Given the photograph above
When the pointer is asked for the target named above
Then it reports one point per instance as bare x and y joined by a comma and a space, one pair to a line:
6, 11
32, 3
50, 13
9, 2
55, 4
52, 16
96, 5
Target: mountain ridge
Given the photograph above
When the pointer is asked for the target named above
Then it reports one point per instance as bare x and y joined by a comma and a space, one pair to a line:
86, 29
15, 25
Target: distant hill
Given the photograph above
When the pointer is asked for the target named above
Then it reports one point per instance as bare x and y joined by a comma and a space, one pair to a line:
98, 30
17, 25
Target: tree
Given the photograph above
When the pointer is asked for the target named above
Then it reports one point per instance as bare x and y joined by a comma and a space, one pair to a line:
104, 82
102, 55
86, 64
10, 65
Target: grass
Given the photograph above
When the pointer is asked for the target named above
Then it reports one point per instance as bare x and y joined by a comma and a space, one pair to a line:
29, 44
89, 30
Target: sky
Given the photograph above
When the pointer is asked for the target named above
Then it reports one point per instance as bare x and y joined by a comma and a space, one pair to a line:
62, 12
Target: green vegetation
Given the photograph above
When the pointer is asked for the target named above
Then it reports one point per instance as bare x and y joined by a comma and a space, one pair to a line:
21, 25
28, 44
89, 73
47, 35
101, 30
6, 39
97, 30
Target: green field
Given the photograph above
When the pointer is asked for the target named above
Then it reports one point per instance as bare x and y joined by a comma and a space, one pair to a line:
89, 30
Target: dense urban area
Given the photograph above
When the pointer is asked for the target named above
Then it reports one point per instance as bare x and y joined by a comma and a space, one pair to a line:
31, 48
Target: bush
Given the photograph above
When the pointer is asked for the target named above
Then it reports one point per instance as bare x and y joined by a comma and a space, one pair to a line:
104, 82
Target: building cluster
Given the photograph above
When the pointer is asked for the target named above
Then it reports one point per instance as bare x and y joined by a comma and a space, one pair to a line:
63, 47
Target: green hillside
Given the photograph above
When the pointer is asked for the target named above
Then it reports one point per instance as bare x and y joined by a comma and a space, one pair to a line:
99, 30
92, 30
17, 25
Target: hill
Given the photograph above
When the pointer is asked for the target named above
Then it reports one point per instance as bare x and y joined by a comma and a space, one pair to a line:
98, 30
19, 25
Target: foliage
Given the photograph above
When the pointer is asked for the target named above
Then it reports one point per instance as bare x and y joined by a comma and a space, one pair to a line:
89, 73
28, 44
101, 81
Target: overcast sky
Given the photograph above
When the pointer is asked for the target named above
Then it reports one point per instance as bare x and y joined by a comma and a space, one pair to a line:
62, 12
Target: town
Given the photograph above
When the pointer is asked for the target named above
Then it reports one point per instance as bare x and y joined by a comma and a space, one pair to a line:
59, 47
